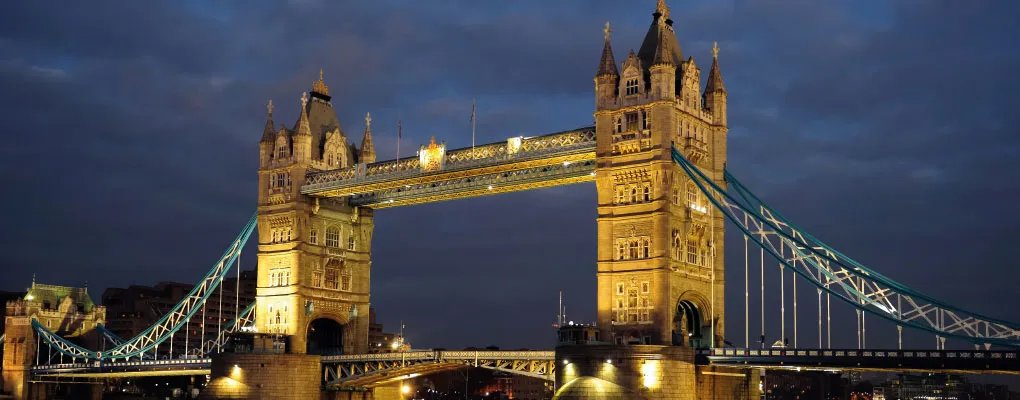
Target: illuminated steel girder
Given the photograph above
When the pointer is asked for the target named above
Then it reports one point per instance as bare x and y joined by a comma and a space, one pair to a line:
436, 174
370, 370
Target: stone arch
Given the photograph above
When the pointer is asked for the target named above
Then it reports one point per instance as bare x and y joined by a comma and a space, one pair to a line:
325, 334
692, 324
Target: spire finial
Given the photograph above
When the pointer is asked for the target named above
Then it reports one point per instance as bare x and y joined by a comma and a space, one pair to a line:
270, 107
320, 86
715, 49
661, 8
368, 120
304, 99
33, 279
320, 74
607, 30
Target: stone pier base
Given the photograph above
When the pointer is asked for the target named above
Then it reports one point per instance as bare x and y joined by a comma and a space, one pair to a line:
264, 376
646, 372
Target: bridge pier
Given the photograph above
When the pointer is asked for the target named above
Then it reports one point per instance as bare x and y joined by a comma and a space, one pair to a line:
646, 372
264, 376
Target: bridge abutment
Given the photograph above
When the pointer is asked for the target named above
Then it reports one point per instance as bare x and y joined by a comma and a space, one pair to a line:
264, 376
646, 372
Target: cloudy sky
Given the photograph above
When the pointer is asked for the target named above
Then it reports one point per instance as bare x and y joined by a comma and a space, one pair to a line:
887, 128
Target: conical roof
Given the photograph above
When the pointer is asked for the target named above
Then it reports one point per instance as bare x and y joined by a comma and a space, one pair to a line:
367, 153
268, 133
301, 128
715, 82
607, 66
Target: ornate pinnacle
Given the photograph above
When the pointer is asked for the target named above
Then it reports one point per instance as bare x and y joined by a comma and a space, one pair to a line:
270, 107
304, 99
320, 86
715, 49
368, 120
661, 8
607, 30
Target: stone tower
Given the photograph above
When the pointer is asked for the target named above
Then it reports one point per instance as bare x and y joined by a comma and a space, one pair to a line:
313, 260
660, 258
66, 311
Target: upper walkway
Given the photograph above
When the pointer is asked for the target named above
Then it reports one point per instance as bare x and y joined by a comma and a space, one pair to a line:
435, 174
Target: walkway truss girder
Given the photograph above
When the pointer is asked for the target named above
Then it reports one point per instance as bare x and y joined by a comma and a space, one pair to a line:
370, 370
832, 272
517, 164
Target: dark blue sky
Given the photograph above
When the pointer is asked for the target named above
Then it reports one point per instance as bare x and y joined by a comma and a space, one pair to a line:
887, 128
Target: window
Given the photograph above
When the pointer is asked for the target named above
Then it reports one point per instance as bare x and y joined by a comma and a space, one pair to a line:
692, 251
676, 196
281, 150
631, 120
632, 298
644, 287
646, 190
621, 250
313, 236
345, 280
332, 278
350, 242
273, 280
647, 120
677, 246
621, 194
619, 290
316, 279
632, 86
633, 249
644, 248
332, 237
619, 124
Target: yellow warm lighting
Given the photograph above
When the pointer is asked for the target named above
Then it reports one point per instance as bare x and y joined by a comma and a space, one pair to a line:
405, 389
650, 373
29, 297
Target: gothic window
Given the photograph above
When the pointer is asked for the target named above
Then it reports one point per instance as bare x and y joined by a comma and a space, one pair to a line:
332, 278
676, 196
694, 198
276, 236
345, 280
633, 249
332, 237
645, 121
632, 86
677, 246
316, 279
289, 232
632, 298
272, 278
271, 315
644, 248
646, 191
281, 150
632, 121
621, 250
692, 251
619, 303
313, 236
286, 278
350, 242
280, 180
619, 290
279, 320
619, 125
272, 180
633, 194
644, 287
644, 302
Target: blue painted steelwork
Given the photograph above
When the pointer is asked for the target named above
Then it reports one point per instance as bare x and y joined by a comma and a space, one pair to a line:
839, 276
1002, 362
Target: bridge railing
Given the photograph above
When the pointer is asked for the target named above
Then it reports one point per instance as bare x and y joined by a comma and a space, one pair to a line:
860, 353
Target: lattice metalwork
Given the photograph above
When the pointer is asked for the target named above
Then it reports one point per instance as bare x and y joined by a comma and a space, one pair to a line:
244, 320
170, 323
832, 272
474, 184
393, 173
366, 370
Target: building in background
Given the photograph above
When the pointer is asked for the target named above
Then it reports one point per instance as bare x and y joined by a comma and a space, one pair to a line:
383, 342
133, 309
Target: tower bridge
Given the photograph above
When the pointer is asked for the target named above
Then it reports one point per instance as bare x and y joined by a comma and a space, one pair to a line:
657, 154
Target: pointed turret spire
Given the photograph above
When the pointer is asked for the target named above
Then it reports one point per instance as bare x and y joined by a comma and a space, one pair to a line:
662, 9
367, 154
269, 133
663, 54
715, 82
608, 64
302, 127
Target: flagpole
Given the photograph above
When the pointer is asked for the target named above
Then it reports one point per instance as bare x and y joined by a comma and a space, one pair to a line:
472, 127
399, 133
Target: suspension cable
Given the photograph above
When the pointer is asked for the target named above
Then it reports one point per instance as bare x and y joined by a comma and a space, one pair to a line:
794, 276
747, 312
782, 298
711, 234
819, 317
219, 321
762, 257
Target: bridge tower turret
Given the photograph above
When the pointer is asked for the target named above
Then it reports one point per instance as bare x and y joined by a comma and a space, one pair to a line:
660, 258
313, 260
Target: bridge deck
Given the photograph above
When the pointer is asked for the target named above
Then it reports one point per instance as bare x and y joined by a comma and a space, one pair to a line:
436, 174
945, 361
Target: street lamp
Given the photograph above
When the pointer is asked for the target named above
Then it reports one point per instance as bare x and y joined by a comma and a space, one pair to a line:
405, 389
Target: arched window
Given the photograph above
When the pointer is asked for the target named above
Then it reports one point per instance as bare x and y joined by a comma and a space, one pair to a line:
350, 242
281, 150
678, 246
270, 314
332, 237
644, 248
632, 86
345, 280
279, 319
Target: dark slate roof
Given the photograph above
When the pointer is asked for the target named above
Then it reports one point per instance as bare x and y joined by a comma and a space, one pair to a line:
659, 32
322, 119
607, 66
715, 82
268, 133
55, 295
